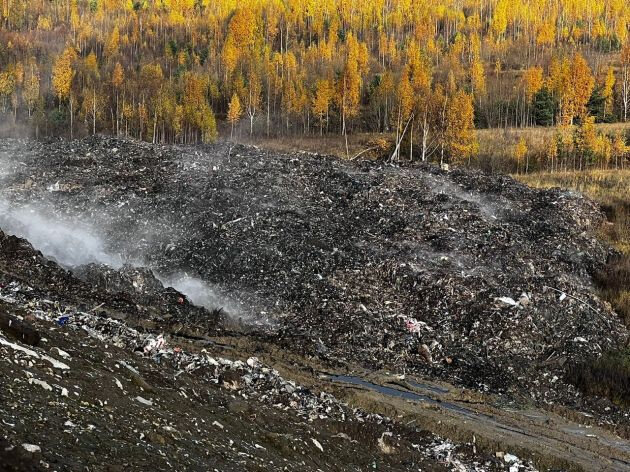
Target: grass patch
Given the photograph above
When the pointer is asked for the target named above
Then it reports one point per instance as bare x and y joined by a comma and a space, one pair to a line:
608, 376
614, 283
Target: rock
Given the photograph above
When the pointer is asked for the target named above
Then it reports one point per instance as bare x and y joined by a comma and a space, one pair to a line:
386, 444
156, 438
317, 444
18, 329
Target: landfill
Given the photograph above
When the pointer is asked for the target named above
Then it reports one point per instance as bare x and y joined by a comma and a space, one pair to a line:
178, 276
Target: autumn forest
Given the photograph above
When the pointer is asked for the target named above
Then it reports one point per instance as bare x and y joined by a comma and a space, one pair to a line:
423, 73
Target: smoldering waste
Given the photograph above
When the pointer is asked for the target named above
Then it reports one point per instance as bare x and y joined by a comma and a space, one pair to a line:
459, 276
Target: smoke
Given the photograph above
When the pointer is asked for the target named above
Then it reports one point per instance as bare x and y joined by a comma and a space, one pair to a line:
489, 210
201, 293
72, 243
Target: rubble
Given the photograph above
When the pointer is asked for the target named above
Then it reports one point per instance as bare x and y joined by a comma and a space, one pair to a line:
100, 399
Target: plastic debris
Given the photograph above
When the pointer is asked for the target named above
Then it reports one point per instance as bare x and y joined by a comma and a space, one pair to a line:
144, 401
31, 448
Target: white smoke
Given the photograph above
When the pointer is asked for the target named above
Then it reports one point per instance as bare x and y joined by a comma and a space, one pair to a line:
70, 243
73, 243
201, 293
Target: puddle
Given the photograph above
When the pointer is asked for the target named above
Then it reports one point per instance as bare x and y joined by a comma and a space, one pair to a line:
430, 388
389, 391
452, 407
481, 418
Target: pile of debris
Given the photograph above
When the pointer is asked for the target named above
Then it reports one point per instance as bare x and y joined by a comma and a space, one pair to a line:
462, 276
468, 277
129, 294
87, 390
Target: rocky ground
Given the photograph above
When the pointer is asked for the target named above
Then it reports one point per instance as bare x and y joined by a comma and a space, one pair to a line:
475, 284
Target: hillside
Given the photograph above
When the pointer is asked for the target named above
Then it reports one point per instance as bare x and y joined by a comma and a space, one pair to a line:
183, 71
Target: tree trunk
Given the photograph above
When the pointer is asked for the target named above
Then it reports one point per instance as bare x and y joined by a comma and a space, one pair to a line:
71, 121
154, 127
399, 140
268, 105
345, 134
413, 122
425, 136
625, 91
94, 113
117, 129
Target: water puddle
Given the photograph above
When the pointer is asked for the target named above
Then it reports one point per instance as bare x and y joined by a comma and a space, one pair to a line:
430, 388
389, 391
481, 418
407, 395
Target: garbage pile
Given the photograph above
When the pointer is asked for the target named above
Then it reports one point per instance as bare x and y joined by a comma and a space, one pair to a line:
87, 390
471, 278
129, 294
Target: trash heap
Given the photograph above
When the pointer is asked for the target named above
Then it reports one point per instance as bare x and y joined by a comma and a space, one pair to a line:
467, 277
84, 389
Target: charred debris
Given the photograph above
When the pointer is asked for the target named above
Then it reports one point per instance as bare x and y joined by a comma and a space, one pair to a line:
459, 277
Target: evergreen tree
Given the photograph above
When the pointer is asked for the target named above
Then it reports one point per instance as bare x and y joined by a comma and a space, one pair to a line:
545, 107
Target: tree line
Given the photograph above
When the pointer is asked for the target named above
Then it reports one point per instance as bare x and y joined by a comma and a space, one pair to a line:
425, 71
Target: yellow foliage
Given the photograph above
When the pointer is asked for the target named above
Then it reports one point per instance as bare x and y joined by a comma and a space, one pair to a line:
323, 96
546, 34
533, 81
520, 151
234, 110
113, 43
63, 73
582, 84
608, 91
460, 138
44, 23
478, 77
118, 76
